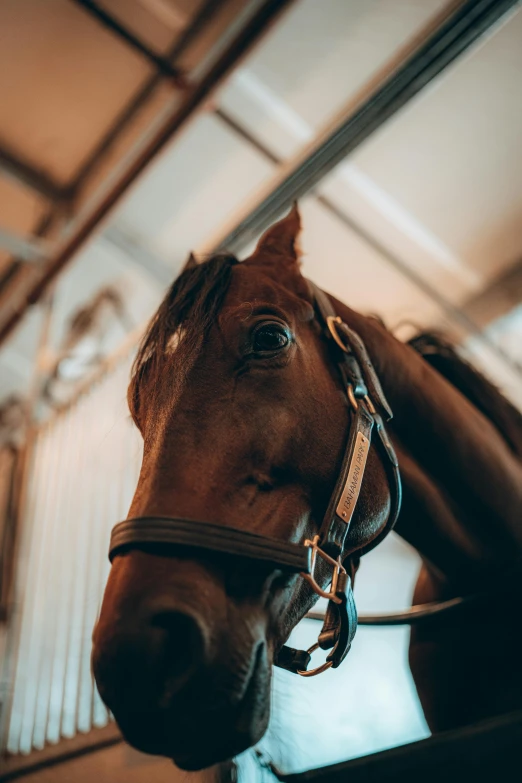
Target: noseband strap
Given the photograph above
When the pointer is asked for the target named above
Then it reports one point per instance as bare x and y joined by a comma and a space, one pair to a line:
175, 532
327, 550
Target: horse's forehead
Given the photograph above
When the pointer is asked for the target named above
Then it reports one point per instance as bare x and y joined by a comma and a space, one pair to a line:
249, 285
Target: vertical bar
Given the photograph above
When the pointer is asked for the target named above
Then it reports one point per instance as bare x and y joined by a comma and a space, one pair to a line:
77, 488
68, 549
36, 593
102, 481
29, 548
87, 409
112, 476
56, 560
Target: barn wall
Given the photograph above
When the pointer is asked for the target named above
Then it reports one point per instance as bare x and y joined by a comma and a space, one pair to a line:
82, 472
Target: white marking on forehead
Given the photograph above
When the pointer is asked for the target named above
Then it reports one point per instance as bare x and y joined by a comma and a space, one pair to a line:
173, 341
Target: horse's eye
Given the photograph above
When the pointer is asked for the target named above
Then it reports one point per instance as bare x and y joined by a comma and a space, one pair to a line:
270, 337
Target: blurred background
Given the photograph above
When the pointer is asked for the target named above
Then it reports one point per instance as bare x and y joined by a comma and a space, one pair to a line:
135, 131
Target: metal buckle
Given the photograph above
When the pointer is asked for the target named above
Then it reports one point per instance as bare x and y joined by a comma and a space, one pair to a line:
318, 669
338, 568
331, 322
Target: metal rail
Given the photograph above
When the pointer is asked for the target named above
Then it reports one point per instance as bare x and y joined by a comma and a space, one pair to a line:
412, 616
450, 40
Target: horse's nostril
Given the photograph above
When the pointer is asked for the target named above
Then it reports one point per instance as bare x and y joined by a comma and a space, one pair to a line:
183, 642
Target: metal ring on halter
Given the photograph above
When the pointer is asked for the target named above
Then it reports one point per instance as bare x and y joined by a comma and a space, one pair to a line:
338, 568
319, 669
331, 321
351, 396
369, 403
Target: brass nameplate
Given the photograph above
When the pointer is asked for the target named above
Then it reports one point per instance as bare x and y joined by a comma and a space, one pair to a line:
348, 500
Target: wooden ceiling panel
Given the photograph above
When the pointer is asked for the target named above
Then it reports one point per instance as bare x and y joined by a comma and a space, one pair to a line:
21, 208
72, 79
156, 22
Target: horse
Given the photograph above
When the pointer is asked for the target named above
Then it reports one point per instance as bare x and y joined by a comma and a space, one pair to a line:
245, 416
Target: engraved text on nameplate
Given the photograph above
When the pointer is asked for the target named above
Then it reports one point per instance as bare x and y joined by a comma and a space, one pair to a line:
348, 500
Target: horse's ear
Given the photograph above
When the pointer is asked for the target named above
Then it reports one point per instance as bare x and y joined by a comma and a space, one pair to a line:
280, 242
278, 253
190, 262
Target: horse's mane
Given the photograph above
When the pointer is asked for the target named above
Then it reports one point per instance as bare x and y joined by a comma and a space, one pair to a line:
484, 395
187, 312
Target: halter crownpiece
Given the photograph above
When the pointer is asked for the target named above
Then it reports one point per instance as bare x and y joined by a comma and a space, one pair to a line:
368, 404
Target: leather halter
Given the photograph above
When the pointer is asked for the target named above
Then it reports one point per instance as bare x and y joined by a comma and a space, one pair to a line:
368, 405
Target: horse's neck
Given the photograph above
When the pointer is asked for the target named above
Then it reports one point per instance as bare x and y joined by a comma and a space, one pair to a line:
462, 481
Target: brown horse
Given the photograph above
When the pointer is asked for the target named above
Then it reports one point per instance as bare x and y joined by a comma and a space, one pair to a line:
244, 424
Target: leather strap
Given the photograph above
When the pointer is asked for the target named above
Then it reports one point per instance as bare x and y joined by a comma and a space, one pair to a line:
363, 360
338, 632
172, 531
334, 528
364, 392
357, 372
359, 364
391, 466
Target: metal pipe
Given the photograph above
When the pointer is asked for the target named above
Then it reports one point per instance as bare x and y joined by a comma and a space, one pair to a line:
448, 41
414, 615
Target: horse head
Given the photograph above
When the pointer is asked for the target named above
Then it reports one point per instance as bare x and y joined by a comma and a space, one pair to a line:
244, 421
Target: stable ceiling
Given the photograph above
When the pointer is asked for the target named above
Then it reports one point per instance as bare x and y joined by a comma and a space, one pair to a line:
435, 195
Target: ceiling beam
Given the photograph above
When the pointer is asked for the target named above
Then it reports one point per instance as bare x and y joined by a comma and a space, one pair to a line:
21, 171
111, 23
234, 46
